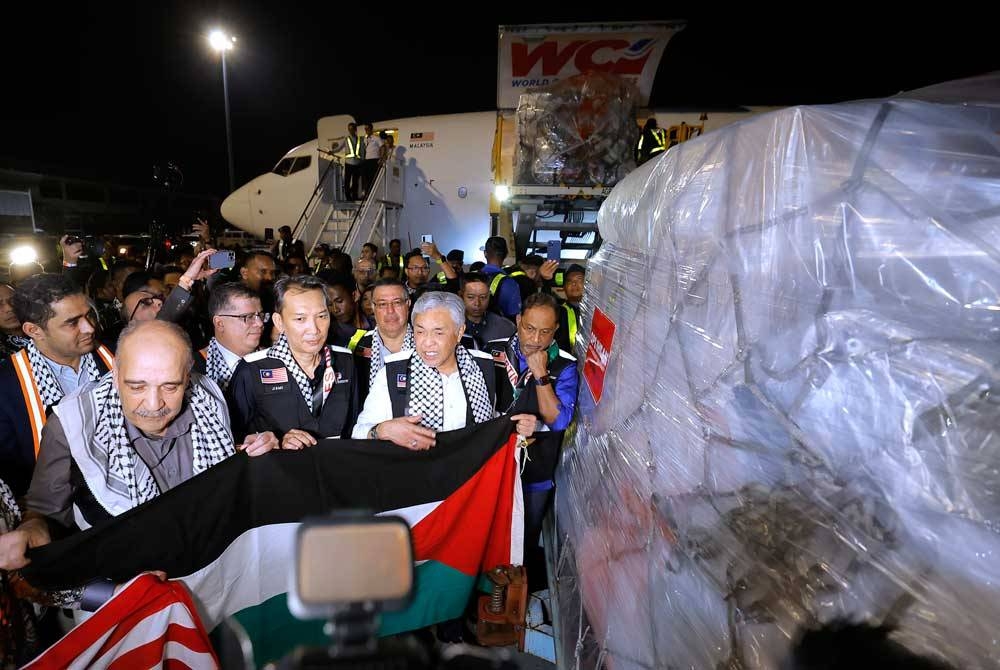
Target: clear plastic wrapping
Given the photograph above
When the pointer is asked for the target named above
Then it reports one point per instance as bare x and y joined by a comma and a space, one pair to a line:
577, 132
800, 419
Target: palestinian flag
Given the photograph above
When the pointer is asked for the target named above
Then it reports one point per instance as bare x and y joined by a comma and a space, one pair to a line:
230, 531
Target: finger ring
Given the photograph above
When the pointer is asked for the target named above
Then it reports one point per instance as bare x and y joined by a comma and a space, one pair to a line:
413, 443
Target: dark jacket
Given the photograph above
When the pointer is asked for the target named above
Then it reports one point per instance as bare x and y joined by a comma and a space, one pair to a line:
258, 404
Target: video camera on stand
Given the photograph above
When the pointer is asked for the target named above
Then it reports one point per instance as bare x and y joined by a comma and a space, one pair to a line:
349, 568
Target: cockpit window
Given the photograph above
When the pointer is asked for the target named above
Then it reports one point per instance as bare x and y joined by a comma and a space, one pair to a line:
282, 166
301, 163
291, 165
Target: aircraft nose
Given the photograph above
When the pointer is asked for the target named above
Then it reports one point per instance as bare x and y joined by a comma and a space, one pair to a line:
236, 208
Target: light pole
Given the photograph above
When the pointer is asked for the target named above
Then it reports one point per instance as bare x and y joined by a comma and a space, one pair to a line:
223, 43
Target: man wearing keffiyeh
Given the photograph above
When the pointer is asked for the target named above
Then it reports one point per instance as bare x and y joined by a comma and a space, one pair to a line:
125, 438
443, 386
301, 388
392, 333
61, 355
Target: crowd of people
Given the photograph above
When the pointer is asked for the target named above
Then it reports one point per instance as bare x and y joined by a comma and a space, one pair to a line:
119, 383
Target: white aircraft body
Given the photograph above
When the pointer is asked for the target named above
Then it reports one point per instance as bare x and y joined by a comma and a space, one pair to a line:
449, 175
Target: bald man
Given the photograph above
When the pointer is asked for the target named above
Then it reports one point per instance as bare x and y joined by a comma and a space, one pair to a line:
120, 441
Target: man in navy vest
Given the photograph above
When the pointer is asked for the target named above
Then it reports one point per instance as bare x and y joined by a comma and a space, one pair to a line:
440, 386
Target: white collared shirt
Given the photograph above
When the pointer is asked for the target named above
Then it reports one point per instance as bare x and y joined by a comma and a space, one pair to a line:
68, 378
378, 406
231, 358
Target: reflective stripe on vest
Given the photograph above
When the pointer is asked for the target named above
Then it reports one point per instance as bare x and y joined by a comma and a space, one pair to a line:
104, 264
571, 321
106, 356
353, 149
495, 284
500, 276
32, 399
660, 136
442, 278
358, 334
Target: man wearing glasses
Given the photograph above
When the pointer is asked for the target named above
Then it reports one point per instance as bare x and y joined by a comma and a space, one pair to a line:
238, 322
417, 271
392, 333
146, 297
62, 355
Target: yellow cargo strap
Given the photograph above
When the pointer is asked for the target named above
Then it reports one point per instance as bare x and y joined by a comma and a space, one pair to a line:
571, 320
358, 334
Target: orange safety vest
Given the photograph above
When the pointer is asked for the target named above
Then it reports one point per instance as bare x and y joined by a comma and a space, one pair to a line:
29, 390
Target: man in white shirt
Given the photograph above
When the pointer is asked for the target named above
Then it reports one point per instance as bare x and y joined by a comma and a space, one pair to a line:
443, 387
373, 149
238, 322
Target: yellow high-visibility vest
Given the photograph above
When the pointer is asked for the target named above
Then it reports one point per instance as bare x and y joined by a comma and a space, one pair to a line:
358, 334
571, 320
354, 150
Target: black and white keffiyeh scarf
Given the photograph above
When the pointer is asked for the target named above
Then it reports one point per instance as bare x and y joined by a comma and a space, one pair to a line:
427, 390
216, 366
281, 351
377, 346
48, 386
210, 438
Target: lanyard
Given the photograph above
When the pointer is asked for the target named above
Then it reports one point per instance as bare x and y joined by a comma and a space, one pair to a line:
321, 392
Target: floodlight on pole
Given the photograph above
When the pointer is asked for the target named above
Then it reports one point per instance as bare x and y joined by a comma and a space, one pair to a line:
223, 43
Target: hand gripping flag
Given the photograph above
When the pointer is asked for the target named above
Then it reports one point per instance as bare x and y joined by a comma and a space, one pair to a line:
228, 533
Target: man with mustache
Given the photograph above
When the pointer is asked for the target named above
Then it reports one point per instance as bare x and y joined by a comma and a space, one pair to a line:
62, 354
125, 438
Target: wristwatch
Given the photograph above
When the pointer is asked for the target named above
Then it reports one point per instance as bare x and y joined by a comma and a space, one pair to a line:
544, 380
373, 433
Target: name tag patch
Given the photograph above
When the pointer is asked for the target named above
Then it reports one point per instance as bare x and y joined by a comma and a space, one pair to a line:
401, 380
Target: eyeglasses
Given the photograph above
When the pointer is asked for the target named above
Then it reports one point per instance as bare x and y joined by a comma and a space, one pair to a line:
147, 302
263, 317
383, 305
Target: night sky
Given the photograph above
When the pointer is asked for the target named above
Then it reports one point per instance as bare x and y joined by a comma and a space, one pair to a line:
106, 90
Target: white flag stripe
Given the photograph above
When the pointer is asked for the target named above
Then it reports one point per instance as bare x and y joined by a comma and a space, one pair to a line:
256, 566
149, 629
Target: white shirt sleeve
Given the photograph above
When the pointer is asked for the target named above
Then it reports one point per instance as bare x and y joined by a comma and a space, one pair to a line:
378, 407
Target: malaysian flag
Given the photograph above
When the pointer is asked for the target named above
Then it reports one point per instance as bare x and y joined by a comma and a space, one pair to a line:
421, 137
274, 376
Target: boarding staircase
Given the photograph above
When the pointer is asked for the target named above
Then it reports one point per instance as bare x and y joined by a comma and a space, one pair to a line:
329, 218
